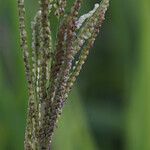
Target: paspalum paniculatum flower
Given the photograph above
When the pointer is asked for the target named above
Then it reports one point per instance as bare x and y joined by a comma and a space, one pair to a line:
52, 65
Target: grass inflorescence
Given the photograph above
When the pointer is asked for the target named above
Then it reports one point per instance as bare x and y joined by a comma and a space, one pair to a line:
52, 67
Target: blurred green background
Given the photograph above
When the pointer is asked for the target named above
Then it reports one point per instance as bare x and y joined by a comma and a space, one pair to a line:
109, 108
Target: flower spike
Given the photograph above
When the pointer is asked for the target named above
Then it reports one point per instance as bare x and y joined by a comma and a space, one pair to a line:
53, 65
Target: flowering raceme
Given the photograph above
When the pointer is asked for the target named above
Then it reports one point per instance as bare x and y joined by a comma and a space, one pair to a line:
52, 65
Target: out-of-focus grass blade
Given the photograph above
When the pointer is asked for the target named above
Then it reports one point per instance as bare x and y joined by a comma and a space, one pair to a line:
139, 113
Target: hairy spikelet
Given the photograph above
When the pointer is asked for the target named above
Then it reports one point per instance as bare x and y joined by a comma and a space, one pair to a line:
51, 70
60, 7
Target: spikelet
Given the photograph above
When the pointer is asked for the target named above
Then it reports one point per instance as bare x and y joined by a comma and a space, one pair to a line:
60, 7
51, 77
